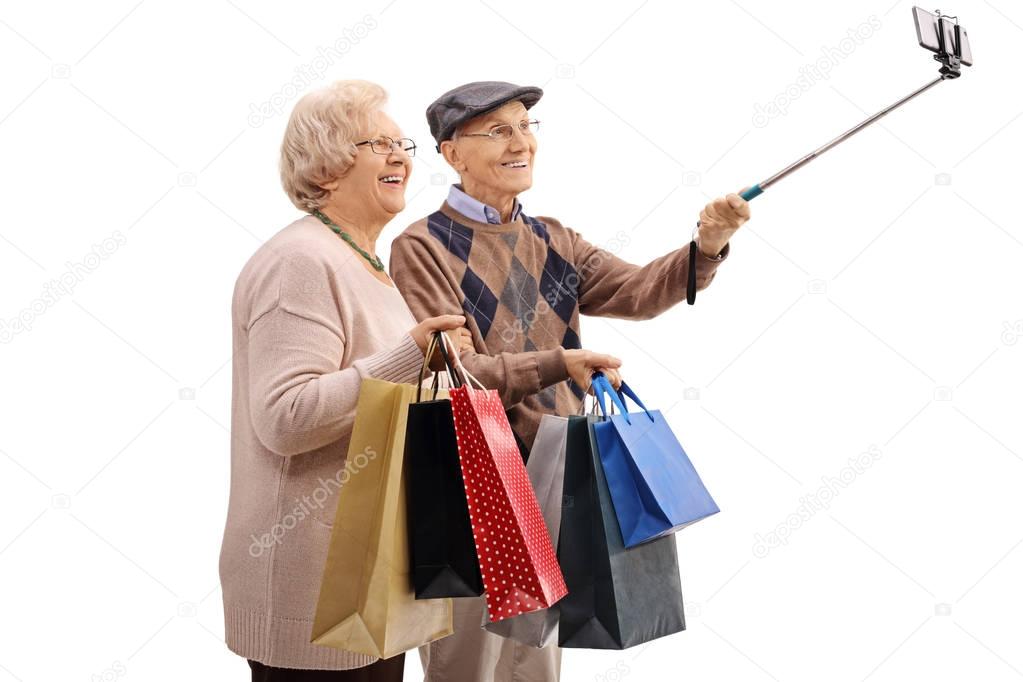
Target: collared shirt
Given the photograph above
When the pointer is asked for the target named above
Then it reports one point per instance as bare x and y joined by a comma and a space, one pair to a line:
474, 208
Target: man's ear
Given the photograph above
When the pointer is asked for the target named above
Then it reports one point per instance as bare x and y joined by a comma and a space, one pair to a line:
450, 152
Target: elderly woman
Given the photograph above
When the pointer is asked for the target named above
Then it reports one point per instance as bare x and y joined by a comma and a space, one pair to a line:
314, 313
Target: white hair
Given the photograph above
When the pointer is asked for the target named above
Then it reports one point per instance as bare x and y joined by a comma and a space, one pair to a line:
318, 144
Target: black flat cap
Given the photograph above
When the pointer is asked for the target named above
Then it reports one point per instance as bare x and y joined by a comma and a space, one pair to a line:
468, 101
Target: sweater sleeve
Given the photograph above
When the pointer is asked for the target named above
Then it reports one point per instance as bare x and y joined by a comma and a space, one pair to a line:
612, 287
300, 397
429, 288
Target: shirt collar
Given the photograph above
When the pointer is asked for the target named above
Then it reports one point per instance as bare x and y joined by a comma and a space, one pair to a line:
476, 210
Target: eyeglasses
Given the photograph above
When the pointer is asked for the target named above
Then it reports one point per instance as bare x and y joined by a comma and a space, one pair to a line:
385, 145
503, 133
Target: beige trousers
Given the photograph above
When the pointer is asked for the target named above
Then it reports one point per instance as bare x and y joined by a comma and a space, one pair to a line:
472, 654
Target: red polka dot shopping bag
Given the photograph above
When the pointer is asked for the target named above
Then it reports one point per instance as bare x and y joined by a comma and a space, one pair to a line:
517, 560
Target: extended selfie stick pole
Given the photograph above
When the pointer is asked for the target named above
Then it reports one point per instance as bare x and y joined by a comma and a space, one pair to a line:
758, 189
949, 54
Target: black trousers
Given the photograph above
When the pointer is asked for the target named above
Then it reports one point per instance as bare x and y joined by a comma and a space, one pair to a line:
385, 670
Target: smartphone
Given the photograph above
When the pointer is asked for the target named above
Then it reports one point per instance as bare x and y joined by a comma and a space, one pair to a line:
951, 39
927, 34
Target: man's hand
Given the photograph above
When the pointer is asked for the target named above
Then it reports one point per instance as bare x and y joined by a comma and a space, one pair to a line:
460, 338
613, 377
581, 365
718, 222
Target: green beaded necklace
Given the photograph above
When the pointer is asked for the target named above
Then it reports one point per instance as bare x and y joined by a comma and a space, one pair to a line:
373, 260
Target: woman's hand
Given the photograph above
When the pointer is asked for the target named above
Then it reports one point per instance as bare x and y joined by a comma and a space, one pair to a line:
581, 364
457, 334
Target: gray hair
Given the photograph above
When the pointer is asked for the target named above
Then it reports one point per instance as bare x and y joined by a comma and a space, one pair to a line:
319, 142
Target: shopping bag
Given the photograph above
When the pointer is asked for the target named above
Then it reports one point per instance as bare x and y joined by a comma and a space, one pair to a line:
443, 552
617, 597
366, 602
546, 469
517, 560
654, 486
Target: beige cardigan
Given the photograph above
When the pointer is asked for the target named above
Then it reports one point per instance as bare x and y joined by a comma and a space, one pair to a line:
309, 324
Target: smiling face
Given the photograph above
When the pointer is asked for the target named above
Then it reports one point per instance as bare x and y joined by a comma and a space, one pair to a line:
374, 186
493, 171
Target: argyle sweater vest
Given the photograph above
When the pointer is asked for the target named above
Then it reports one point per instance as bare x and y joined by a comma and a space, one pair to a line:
522, 287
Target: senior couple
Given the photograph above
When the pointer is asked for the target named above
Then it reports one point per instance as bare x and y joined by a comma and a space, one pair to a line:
315, 312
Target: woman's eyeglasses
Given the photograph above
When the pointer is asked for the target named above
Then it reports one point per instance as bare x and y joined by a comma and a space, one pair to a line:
385, 145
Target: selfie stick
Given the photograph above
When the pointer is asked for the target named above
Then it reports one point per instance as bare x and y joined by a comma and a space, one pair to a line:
951, 62
758, 189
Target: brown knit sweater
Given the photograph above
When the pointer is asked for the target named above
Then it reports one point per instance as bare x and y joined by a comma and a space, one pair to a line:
522, 286
309, 324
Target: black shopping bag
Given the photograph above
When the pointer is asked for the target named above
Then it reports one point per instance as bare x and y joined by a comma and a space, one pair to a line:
442, 549
617, 597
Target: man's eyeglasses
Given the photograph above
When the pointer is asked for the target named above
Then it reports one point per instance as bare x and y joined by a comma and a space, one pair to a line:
503, 133
385, 145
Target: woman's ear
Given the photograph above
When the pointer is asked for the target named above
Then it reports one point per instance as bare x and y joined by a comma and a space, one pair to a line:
330, 186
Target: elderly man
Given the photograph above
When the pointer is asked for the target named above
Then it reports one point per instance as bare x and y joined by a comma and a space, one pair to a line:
522, 283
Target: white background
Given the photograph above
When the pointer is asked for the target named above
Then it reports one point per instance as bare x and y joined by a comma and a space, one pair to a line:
872, 301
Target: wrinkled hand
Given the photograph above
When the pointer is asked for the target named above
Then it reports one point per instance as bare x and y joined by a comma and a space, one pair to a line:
718, 222
612, 375
460, 339
581, 364
457, 333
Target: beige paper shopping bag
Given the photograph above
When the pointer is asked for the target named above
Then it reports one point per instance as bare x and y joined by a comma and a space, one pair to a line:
367, 603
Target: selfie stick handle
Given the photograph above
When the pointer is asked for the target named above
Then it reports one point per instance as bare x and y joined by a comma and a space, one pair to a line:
758, 189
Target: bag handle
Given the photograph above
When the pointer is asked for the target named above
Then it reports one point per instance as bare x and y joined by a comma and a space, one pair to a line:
624, 391
592, 410
431, 348
601, 386
441, 380
582, 405
591, 392
465, 378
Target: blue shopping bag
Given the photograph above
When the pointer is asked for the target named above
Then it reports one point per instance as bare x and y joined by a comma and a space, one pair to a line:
654, 487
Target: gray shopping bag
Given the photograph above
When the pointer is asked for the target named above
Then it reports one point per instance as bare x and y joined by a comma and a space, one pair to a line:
546, 469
